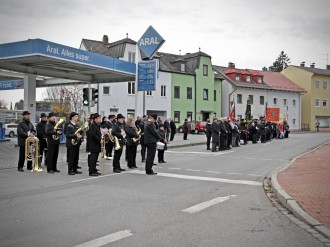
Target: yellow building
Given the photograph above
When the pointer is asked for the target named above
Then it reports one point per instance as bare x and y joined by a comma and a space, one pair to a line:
315, 102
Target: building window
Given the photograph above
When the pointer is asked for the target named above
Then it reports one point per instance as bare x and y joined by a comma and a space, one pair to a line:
176, 92
205, 94
317, 103
189, 116
275, 101
294, 102
294, 121
215, 95
239, 98
131, 88
248, 78
259, 79
251, 99
317, 84
149, 93
237, 77
131, 57
113, 110
163, 91
189, 92
325, 85
262, 100
205, 70
284, 102
183, 67
177, 117
325, 103
106, 90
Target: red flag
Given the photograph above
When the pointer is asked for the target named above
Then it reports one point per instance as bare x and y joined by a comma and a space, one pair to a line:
232, 111
272, 114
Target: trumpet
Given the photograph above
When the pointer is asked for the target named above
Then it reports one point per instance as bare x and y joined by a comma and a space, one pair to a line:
32, 152
58, 124
83, 128
138, 132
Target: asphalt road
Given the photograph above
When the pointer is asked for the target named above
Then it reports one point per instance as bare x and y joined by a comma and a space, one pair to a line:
198, 198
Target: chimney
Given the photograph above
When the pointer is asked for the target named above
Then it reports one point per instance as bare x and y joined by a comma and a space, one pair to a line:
231, 65
302, 64
313, 65
105, 40
328, 67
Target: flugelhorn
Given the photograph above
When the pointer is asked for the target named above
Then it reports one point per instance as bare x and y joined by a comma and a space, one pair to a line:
57, 127
138, 132
83, 128
32, 152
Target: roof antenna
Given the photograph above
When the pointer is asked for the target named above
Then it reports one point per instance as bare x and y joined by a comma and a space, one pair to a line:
126, 35
199, 49
180, 52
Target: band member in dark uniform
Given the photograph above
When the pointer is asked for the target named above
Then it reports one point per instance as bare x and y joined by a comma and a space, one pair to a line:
208, 134
151, 137
118, 131
244, 132
90, 121
95, 139
25, 129
143, 146
215, 132
131, 143
161, 152
185, 129
53, 144
167, 128
262, 131
229, 129
109, 144
73, 150
223, 134
42, 136
269, 131
254, 131
173, 129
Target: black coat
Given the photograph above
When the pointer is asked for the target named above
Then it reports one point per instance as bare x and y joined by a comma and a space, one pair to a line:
116, 132
162, 133
50, 130
166, 126
215, 132
150, 134
185, 127
95, 138
173, 127
130, 134
208, 129
223, 129
142, 132
70, 134
41, 133
22, 132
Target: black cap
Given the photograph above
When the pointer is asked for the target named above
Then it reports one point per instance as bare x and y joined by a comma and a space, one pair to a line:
72, 114
43, 115
153, 115
120, 116
161, 125
111, 116
26, 113
51, 114
96, 115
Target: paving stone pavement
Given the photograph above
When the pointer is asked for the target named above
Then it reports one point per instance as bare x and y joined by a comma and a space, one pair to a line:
307, 180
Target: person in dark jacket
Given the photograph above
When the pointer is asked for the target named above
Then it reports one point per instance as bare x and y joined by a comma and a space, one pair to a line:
223, 134
254, 131
229, 129
119, 132
173, 129
161, 152
143, 146
42, 136
25, 129
53, 144
208, 134
109, 144
167, 128
131, 143
95, 139
215, 134
263, 131
151, 137
185, 129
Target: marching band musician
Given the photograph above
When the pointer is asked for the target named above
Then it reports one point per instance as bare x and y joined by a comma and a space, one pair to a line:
215, 133
143, 146
131, 145
118, 131
25, 129
42, 136
95, 139
53, 145
109, 144
90, 121
162, 133
73, 150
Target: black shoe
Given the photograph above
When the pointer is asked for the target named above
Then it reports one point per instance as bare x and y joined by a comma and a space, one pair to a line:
143, 160
71, 173
116, 171
154, 164
151, 173
51, 172
29, 168
78, 167
93, 174
163, 161
132, 167
135, 167
78, 172
20, 169
122, 170
57, 171
208, 149
98, 173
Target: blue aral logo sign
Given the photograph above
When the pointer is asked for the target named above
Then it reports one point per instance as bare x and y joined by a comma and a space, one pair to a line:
150, 42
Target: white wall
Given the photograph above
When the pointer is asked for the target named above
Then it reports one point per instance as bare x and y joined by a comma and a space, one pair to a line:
227, 89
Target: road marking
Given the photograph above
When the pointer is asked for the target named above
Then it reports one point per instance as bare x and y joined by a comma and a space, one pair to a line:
193, 170
174, 168
181, 152
213, 172
255, 175
234, 173
207, 204
221, 180
249, 158
265, 159
84, 179
106, 239
225, 152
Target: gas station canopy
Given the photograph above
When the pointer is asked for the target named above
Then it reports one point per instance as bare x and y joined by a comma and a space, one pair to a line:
44, 58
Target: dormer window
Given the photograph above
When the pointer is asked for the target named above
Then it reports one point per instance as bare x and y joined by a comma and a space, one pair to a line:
259, 79
183, 67
248, 78
237, 77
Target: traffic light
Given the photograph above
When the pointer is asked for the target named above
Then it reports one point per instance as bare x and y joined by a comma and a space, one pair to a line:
95, 96
86, 96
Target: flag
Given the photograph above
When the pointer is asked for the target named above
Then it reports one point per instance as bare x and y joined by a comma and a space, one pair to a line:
287, 113
232, 111
265, 111
273, 114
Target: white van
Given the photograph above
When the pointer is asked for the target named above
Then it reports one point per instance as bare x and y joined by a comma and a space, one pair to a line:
11, 129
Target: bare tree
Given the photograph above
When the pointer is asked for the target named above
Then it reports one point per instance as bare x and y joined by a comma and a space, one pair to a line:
3, 104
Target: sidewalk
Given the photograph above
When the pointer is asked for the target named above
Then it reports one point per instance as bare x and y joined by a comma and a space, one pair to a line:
307, 181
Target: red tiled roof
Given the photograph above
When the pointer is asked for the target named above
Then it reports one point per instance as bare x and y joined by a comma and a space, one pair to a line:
279, 82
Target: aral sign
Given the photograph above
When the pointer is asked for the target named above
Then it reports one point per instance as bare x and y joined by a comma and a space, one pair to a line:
150, 42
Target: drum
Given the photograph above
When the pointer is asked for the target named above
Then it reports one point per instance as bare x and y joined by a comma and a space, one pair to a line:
160, 145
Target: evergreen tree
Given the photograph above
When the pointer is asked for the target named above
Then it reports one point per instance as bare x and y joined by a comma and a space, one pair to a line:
280, 63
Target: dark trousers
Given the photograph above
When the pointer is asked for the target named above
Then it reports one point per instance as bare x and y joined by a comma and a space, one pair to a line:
160, 155
151, 152
263, 138
131, 156
52, 157
143, 152
73, 154
21, 159
254, 137
208, 141
229, 140
185, 135
92, 162
223, 143
108, 148
43, 150
116, 158
172, 135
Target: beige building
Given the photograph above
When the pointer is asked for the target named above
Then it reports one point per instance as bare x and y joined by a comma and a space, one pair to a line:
315, 102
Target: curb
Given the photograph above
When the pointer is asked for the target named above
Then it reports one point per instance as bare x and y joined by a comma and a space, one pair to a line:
290, 203
186, 145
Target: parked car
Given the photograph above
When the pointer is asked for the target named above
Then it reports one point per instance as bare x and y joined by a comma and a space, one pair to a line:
11, 129
195, 127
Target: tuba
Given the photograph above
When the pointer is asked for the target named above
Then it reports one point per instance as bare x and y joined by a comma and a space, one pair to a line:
32, 152
58, 124
83, 128
138, 132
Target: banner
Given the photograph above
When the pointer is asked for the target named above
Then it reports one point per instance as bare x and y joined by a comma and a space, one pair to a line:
272, 114
232, 111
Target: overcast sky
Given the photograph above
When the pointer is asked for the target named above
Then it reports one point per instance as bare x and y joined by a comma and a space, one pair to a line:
248, 33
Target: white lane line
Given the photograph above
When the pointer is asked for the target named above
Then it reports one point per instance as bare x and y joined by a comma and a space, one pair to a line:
213, 172
221, 180
193, 170
266, 143
250, 158
84, 179
255, 175
226, 152
265, 159
174, 168
181, 152
207, 204
106, 239
234, 173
